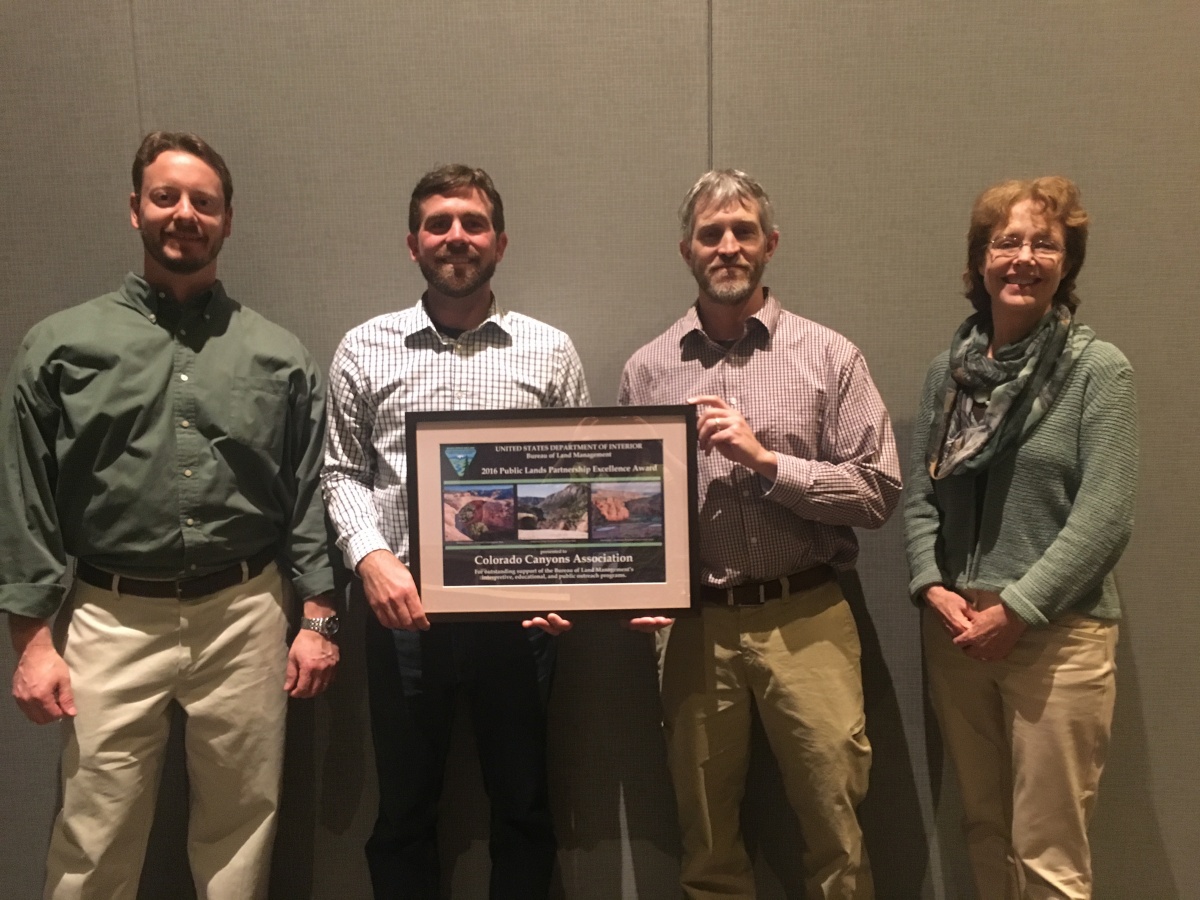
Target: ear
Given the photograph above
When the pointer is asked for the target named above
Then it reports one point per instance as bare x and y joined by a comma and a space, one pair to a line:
772, 243
135, 216
228, 221
501, 244
685, 250
413, 246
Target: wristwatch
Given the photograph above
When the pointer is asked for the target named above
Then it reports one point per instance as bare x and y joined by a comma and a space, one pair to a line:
327, 627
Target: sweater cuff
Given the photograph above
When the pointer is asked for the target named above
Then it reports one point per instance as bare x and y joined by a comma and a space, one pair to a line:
1029, 613
921, 580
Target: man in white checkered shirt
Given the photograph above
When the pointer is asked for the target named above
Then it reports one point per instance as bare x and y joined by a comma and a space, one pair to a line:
796, 450
456, 349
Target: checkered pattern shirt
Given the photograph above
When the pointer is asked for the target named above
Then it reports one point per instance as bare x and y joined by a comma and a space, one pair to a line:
806, 392
398, 363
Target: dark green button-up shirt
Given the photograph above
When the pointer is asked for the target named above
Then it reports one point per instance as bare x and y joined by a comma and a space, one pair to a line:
158, 440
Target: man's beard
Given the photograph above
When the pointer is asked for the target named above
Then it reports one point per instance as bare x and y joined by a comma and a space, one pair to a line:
443, 279
731, 292
187, 265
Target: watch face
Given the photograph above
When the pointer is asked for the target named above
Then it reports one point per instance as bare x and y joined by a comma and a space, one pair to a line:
332, 624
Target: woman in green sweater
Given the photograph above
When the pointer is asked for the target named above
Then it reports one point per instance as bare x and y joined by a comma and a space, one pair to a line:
1019, 504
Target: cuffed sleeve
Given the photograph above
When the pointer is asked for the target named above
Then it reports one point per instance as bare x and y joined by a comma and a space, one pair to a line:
347, 480
922, 519
306, 545
32, 555
1101, 517
856, 480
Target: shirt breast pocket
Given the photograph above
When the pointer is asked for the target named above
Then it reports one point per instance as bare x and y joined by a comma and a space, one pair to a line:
253, 412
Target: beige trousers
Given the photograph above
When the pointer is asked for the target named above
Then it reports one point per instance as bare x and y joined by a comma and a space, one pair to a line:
222, 658
1028, 737
797, 658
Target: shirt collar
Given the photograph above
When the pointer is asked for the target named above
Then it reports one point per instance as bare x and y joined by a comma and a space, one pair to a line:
764, 321
149, 301
498, 317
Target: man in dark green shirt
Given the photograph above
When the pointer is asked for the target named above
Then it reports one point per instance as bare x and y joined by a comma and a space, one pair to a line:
170, 440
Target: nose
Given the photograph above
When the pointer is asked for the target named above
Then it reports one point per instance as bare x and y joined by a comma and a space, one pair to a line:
457, 234
1025, 252
728, 245
184, 208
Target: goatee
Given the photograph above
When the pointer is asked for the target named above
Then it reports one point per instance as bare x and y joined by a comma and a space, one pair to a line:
734, 291
187, 265
443, 279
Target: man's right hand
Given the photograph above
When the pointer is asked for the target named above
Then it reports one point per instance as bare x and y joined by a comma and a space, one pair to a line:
42, 682
952, 607
649, 624
391, 591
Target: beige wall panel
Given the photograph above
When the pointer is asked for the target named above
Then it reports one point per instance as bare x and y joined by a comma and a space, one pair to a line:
68, 121
590, 118
68, 128
874, 125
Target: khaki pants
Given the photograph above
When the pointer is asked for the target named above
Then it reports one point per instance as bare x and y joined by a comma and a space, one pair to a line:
223, 658
1028, 737
797, 658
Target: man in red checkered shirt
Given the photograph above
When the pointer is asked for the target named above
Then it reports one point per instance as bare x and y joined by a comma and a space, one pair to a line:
796, 450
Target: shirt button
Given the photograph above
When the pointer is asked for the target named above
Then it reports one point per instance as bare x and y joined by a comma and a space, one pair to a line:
753, 539
187, 473
153, 318
183, 331
162, 295
191, 521
183, 376
192, 566
184, 424
745, 493
733, 401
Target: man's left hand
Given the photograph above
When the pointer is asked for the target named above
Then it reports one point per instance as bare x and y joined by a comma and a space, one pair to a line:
993, 633
722, 428
312, 657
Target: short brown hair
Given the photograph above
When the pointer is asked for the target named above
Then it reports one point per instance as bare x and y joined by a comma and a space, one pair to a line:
159, 142
449, 181
1058, 199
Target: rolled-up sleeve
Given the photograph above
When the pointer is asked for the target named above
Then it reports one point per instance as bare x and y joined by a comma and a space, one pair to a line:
32, 556
307, 546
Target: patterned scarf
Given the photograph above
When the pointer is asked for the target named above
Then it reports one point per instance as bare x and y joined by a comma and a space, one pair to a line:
989, 404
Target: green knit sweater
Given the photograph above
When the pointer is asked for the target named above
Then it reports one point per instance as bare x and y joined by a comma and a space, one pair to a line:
1056, 512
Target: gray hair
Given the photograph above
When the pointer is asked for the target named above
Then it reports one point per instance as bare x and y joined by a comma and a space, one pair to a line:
720, 188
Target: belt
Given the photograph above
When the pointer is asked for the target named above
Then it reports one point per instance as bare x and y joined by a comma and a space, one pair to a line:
184, 588
756, 593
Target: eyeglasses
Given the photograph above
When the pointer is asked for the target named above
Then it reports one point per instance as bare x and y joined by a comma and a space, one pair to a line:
1009, 245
